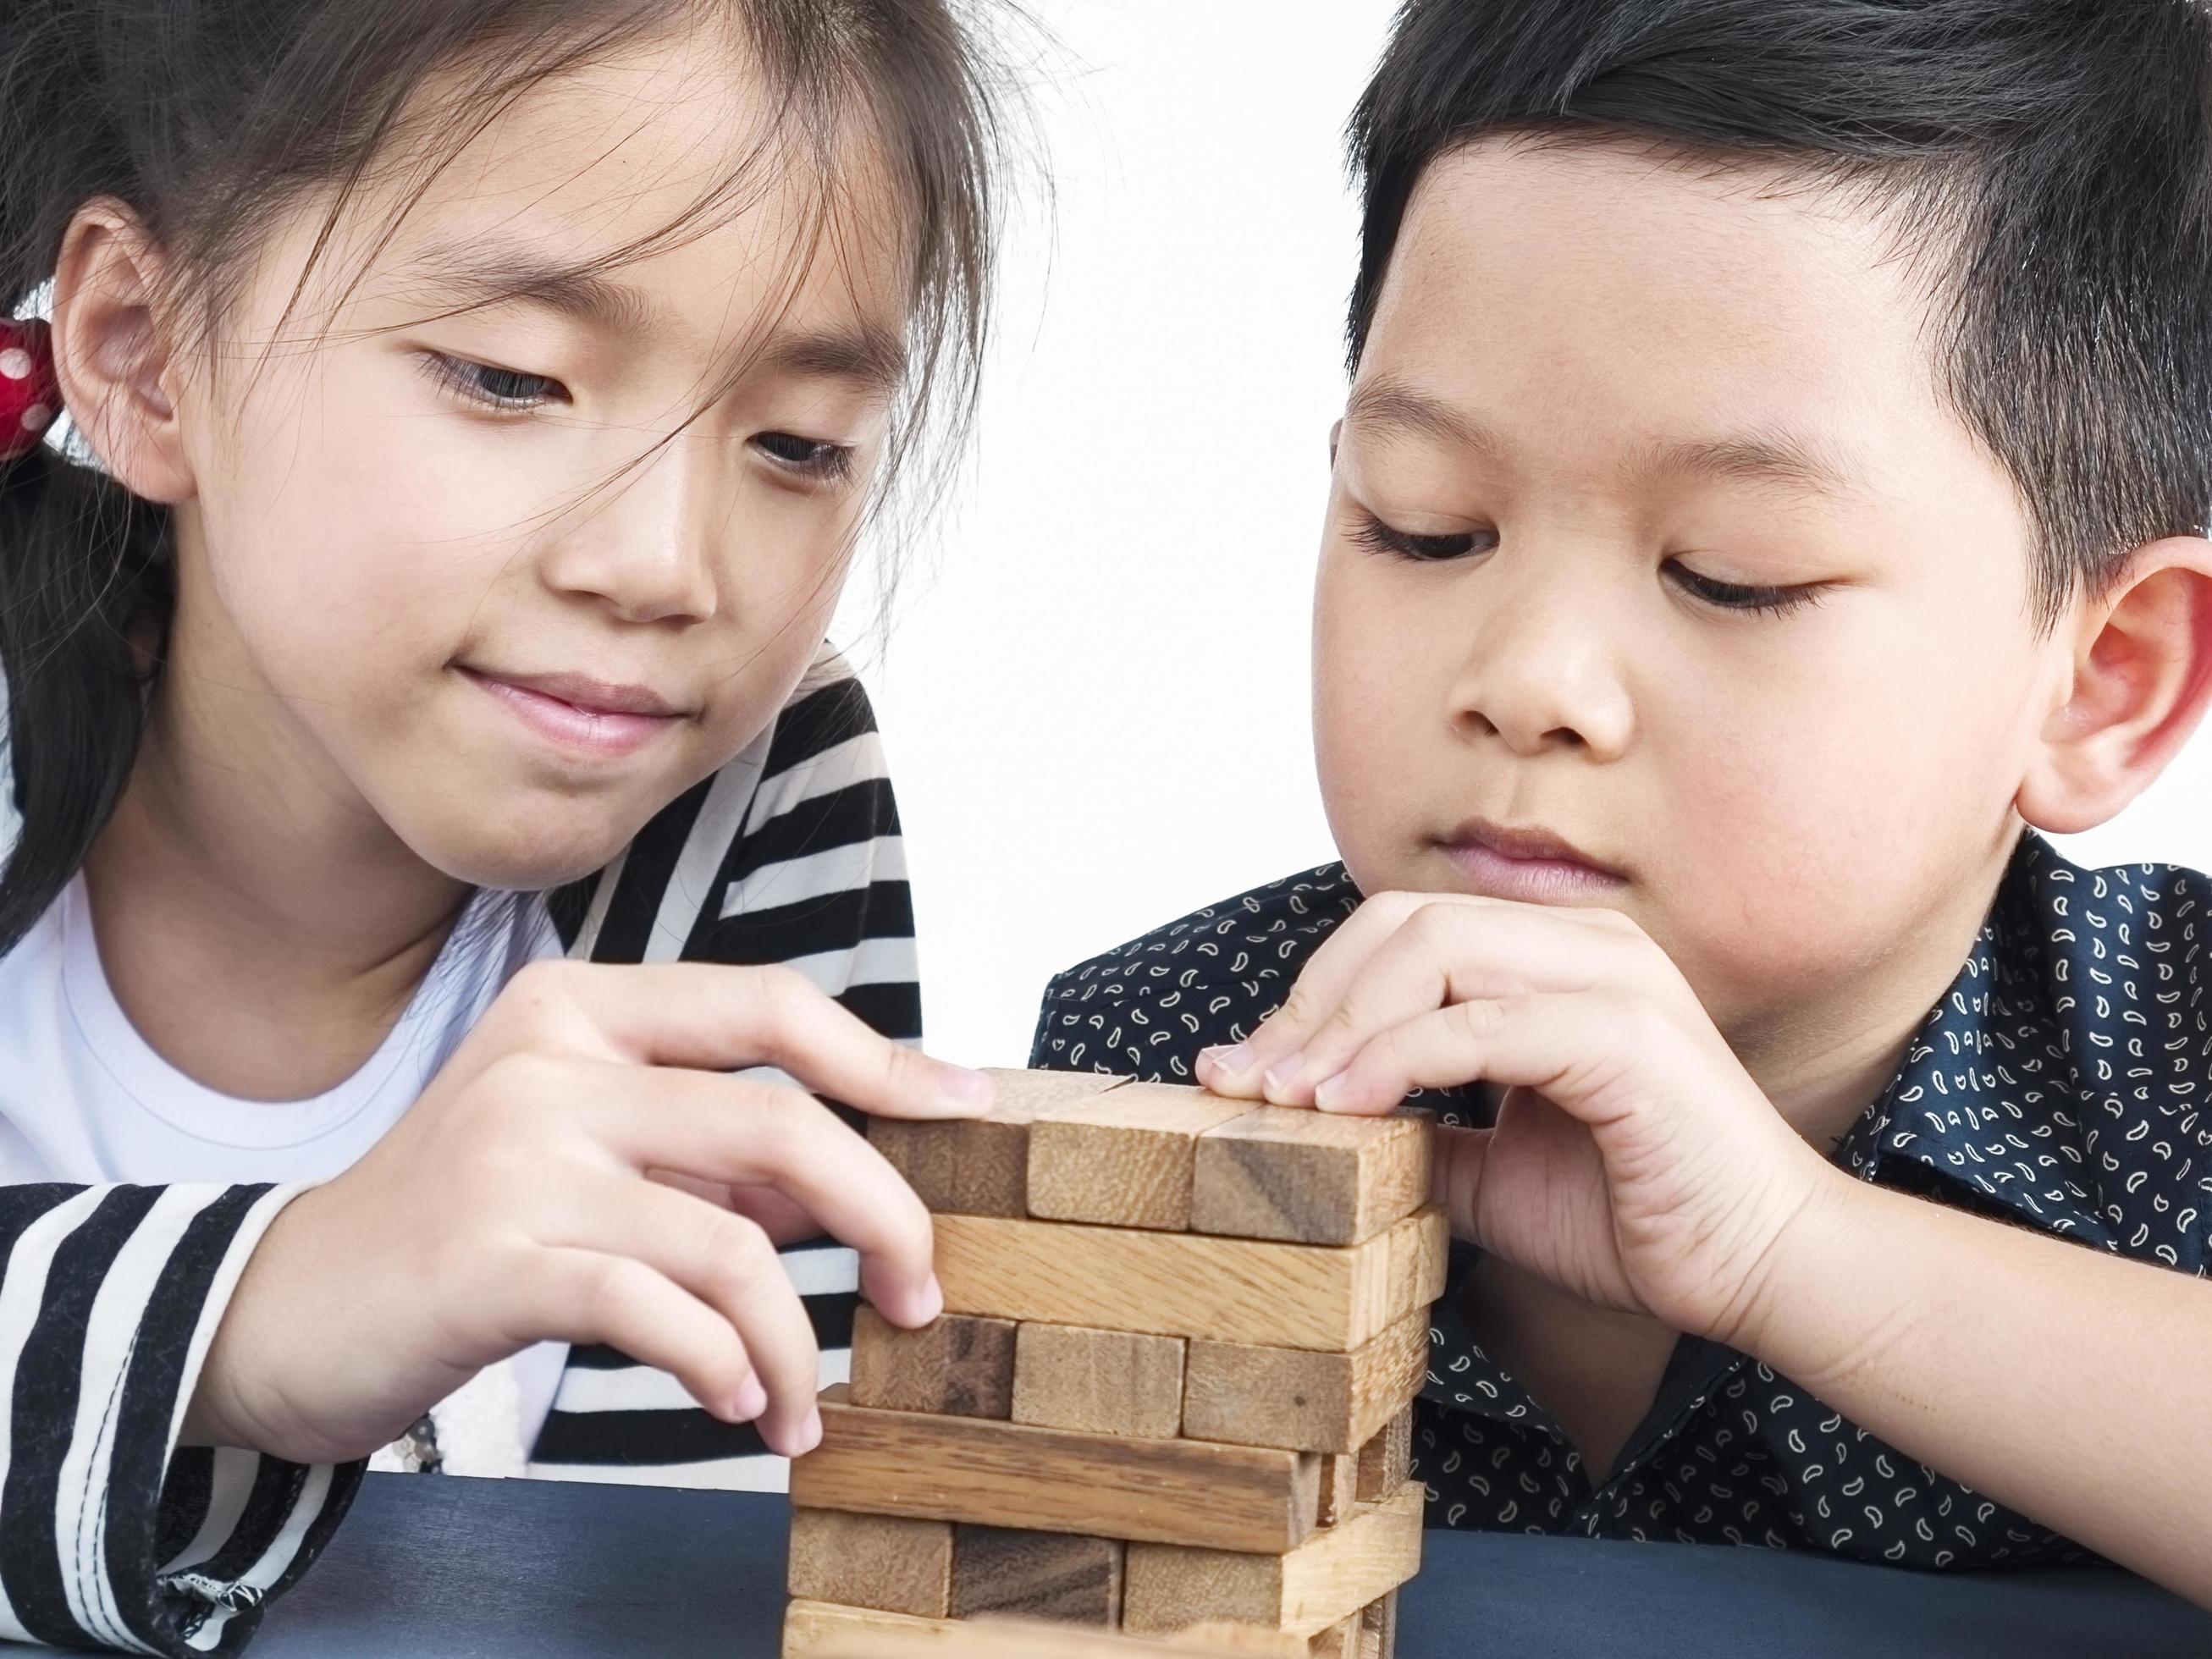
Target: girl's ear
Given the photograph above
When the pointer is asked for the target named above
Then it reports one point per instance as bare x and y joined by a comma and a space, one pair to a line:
2141, 680
112, 351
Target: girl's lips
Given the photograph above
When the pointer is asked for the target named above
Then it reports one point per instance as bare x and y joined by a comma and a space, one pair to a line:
592, 731
1493, 874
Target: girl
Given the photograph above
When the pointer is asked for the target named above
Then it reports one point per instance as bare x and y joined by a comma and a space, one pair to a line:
488, 394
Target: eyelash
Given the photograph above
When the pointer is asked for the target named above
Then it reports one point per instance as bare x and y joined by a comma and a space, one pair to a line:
815, 458
1723, 596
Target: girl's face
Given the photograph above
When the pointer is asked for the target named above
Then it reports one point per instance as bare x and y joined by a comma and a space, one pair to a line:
1651, 532
422, 548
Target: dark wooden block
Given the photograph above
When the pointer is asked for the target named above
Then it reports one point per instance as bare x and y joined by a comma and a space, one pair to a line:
1040, 1574
958, 1365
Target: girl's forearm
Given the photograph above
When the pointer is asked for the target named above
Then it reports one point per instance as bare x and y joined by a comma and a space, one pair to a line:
2065, 1383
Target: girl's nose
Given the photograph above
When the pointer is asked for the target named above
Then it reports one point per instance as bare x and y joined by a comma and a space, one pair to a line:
644, 544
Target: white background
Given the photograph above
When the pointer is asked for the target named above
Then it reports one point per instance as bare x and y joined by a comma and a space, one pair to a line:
1096, 708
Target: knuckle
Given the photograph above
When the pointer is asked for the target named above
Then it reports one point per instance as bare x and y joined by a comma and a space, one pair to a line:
737, 1262
543, 995
782, 993
611, 1286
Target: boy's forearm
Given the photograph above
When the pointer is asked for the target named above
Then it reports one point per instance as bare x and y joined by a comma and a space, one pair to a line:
2065, 1383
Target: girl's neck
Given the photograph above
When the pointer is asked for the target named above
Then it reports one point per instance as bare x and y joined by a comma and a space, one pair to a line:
261, 930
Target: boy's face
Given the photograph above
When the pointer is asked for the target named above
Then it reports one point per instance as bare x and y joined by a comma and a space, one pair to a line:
1609, 408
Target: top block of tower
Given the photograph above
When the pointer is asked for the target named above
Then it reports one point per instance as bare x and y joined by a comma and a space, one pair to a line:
1070, 1146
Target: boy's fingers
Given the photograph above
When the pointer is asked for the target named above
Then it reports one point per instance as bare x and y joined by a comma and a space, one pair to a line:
726, 1261
1447, 953
718, 1018
1457, 1183
744, 1133
583, 1296
1528, 1042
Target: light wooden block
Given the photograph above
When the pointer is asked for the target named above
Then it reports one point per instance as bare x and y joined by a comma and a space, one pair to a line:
819, 1630
1064, 1577
1071, 1376
1313, 1177
1386, 1462
1307, 1401
1231, 1289
1010, 1475
1333, 1575
877, 1561
980, 1166
1124, 1159
1342, 1640
957, 1364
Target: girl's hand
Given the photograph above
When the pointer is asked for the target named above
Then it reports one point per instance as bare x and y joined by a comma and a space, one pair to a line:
1634, 1162
558, 1180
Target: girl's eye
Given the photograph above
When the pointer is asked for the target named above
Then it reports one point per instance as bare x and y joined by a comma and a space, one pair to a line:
495, 388
1384, 539
815, 458
1736, 596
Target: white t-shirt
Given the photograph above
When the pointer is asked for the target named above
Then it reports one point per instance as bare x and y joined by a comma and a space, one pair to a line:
85, 1098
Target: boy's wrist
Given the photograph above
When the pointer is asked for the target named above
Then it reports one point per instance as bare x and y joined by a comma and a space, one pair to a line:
1818, 1305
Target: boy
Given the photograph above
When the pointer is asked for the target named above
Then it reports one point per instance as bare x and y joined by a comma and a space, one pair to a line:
1773, 488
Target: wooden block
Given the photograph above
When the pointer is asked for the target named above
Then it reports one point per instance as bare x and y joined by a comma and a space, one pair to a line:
1071, 1376
1009, 1474
1340, 1482
1386, 1462
1330, 1577
1124, 1159
1379, 1625
957, 1365
980, 1166
1313, 1177
1062, 1577
1341, 1640
878, 1561
1230, 1290
1307, 1401
819, 1630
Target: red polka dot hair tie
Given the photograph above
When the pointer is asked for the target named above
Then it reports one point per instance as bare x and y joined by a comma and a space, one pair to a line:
30, 395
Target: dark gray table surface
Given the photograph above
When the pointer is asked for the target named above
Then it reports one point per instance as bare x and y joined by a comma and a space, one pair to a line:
437, 1568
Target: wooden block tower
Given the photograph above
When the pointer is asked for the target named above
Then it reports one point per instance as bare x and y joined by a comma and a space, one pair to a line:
1171, 1388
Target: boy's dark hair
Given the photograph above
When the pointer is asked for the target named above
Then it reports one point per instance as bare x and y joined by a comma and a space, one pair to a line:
2050, 160
210, 117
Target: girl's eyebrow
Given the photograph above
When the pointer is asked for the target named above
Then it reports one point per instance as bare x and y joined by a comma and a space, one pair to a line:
462, 277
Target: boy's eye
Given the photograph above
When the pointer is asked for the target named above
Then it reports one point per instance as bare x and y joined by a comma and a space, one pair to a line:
1736, 596
817, 457
1385, 538
497, 388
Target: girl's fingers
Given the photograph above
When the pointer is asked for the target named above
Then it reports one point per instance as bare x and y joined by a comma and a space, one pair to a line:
742, 1132
1448, 953
582, 1297
723, 1018
722, 1259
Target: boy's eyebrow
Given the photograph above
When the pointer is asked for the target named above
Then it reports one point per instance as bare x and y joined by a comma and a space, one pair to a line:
1767, 456
464, 277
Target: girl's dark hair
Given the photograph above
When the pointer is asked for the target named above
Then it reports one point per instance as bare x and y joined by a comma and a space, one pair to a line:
2049, 161
210, 117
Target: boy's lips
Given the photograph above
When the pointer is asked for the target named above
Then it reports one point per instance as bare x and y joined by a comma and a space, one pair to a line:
580, 714
1502, 861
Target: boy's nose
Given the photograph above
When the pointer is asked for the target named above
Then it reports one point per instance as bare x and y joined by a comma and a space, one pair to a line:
644, 543
1541, 670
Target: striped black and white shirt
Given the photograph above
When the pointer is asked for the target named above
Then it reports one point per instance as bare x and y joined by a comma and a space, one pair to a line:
111, 1293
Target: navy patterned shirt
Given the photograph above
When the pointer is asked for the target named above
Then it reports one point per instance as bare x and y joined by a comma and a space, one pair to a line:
2059, 1082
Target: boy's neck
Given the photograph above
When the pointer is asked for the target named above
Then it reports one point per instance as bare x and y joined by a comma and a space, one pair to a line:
262, 933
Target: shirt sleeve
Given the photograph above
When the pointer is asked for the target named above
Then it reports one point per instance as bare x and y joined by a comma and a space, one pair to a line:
111, 1534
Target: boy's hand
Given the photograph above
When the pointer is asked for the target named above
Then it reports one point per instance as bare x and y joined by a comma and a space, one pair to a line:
1634, 1161
582, 1170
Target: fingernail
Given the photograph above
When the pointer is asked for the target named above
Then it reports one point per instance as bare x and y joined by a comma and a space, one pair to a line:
1329, 1092
933, 1300
1284, 1072
962, 1087
1231, 1059
751, 1400
810, 1434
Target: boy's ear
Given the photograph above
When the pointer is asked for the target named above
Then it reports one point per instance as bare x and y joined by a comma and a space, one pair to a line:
1335, 432
112, 350
2141, 680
